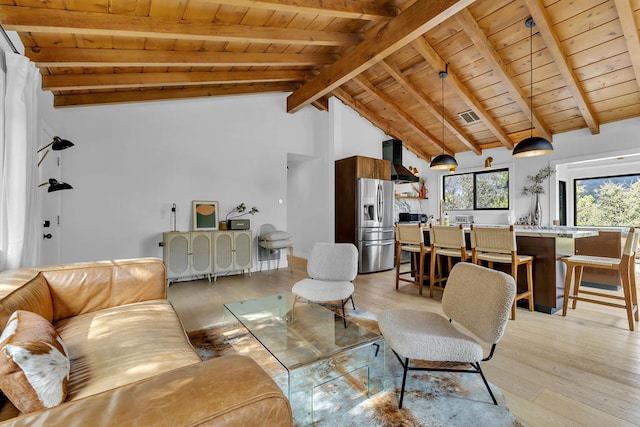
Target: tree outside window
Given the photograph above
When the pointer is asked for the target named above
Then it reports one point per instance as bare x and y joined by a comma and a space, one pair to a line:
477, 190
607, 201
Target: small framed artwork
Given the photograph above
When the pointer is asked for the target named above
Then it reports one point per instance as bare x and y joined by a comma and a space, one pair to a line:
205, 215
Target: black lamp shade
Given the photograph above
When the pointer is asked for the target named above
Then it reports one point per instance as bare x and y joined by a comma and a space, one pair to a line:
443, 161
532, 146
61, 144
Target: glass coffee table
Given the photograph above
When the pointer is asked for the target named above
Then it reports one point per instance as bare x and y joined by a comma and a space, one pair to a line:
315, 346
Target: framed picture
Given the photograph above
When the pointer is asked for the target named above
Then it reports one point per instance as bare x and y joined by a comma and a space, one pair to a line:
205, 215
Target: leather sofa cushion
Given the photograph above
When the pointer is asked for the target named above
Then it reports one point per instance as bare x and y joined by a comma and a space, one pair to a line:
85, 287
223, 391
121, 345
33, 296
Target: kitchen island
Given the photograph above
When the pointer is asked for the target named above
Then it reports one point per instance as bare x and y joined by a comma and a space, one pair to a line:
548, 245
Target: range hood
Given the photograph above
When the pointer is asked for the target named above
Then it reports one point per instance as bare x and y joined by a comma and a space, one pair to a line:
392, 151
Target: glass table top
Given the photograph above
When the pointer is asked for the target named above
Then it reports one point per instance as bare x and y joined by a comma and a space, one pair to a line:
299, 335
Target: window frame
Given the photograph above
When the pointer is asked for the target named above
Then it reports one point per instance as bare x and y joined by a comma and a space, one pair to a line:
475, 189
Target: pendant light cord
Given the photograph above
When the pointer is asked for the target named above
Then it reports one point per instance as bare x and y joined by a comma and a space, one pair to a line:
443, 75
531, 75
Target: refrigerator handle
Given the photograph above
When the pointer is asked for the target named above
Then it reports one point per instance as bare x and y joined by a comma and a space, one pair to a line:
380, 203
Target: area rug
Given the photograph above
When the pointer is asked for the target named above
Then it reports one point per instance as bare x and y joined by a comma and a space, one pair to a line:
431, 399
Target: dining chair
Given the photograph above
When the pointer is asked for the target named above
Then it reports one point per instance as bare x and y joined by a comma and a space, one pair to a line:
625, 265
447, 241
410, 238
475, 297
497, 245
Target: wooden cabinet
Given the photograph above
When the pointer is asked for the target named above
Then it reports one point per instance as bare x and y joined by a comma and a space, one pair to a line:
187, 254
347, 172
362, 167
232, 251
206, 253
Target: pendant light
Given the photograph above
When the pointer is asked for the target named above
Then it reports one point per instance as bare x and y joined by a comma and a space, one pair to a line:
533, 145
443, 161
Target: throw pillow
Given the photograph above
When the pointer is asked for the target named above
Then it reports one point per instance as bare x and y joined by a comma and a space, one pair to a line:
34, 363
276, 235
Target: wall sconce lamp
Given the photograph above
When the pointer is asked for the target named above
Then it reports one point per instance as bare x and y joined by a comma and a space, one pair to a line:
57, 144
55, 185
487, 162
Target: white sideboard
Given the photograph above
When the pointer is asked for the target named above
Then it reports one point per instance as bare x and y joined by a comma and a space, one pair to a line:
206, 253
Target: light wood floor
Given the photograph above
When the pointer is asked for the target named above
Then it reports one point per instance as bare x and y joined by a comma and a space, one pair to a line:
579, 370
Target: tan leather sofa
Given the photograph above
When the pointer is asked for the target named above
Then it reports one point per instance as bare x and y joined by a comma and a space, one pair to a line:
131, 361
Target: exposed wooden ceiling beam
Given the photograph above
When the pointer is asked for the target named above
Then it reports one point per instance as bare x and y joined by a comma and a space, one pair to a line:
552, 42
428, 104
388, 100
630, 30
477, 36
165, 95
377, 45
72, 57
57, 21
331, 8
386, 127
64, 82
453, 81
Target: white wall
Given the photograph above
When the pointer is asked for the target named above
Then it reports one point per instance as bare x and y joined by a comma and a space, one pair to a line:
132, 161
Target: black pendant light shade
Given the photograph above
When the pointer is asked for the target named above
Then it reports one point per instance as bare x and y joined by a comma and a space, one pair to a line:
443, 161
55, 185
533, 145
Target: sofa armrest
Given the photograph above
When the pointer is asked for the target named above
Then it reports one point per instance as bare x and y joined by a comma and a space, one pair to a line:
85, 287
224, 391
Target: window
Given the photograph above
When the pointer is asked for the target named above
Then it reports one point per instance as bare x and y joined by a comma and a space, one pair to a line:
477, 190
607, 201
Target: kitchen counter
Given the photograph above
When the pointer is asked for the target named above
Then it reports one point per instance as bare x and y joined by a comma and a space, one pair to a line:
569, 232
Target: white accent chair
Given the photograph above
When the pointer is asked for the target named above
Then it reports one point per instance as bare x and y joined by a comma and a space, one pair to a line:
332, 267
476, 297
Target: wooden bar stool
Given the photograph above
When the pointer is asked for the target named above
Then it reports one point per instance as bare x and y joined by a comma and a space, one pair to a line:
498, 245
445, 241
626, 267
410, 238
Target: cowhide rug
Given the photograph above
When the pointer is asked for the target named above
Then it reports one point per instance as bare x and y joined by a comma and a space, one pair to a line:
431, 399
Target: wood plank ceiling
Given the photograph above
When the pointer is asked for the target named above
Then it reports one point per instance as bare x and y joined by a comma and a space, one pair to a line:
381, 57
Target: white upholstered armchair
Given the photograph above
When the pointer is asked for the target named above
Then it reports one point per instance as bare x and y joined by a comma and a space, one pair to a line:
475, 297
332, 268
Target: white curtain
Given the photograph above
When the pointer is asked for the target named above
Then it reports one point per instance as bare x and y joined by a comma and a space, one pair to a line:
19, 84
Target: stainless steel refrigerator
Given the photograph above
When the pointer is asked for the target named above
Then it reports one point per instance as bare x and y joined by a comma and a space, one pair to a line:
376, 241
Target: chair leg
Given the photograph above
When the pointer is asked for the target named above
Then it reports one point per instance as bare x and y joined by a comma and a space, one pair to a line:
626, 288
486, 383
405, 365
530, 284
576, 284
567, 286
432, 272
634, 289
398, 253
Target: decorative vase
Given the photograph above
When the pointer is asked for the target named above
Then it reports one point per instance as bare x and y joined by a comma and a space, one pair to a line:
537, 213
